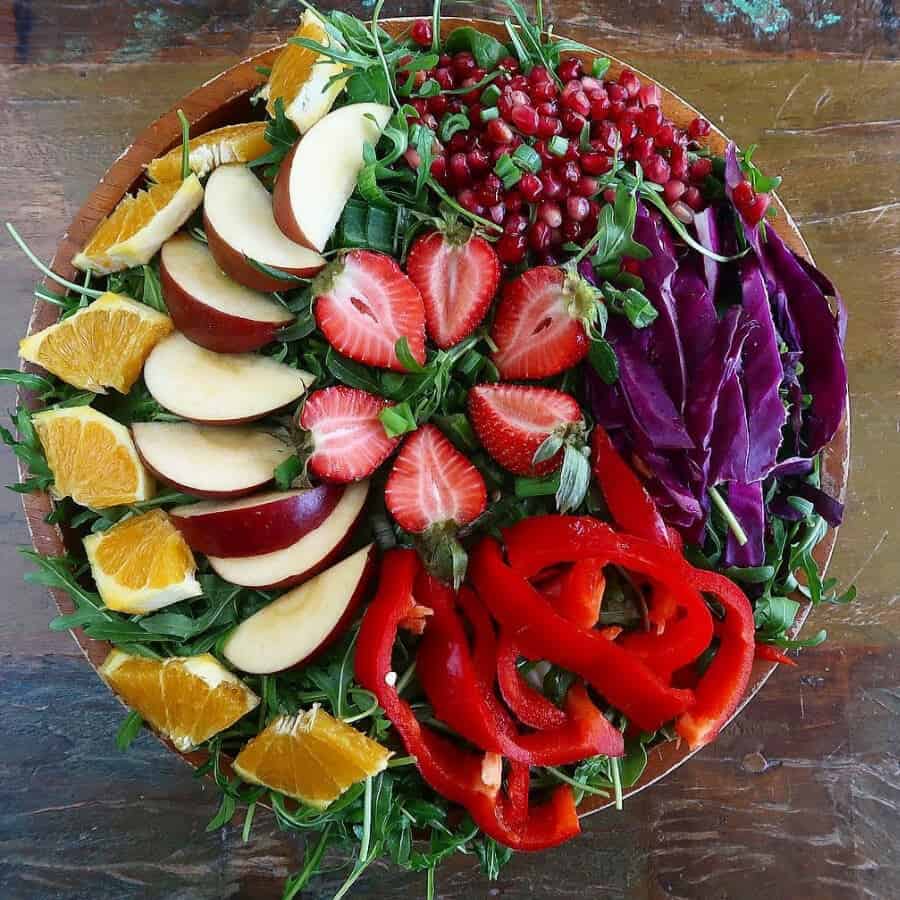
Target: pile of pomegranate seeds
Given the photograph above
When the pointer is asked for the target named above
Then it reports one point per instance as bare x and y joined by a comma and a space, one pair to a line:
570, 136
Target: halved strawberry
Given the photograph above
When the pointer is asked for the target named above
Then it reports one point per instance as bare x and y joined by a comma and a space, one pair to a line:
457, 280
348, 439
432, 483
540, 326
364, 304
513, 420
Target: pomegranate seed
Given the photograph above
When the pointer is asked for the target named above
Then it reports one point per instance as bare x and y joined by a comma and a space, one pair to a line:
700, 169
526, 119
577, 208
459, 142
627, 128
665, 137
595, 163
673, 190
438, 167
539, 236
509, 64
531, 187
649, 95
693, 198
592, 85
572, 122
511, 248
650, 120
519, 98
609, 135
631, 265
467, 200
505, 104
438, 105
570, 68
478, 159
474, 113
616, 110
755, 212
556, 237
516, 224
456, 106
609, 195
570, 172
682, 212
678, 161
630, 82
553, 187
429, 120
444, 77
577, 101
459, 168
657, 169
641, 149
743, 194
490, 190
498, 132
586, 186
616, 92
543, 91
571, 230
548, 126
600, 107
550, 213
548, 108
497, 213
519, 83
514, 201
699, 128
420, 105
464, 64
539, 74
594, 210
499, 151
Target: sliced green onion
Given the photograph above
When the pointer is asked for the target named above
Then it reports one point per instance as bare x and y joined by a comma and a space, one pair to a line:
558, 145
489, 113
527, 158
507, 171
490, 95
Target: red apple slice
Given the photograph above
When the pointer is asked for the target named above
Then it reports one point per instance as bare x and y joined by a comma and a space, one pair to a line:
209, 307
319, 174
303, 622
207, 461
237, 217
219, 388
253, 525
312, 553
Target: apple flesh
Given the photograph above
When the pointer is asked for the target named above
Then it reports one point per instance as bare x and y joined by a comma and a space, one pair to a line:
318, 176
207, 461
209, 307
304, 558
303, 622
254, 525
219, 388
239, 225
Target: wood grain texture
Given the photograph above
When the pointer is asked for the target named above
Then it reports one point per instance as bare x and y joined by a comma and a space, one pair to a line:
820, 824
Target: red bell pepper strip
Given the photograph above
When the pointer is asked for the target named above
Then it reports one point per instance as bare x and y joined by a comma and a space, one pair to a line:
577, 592
484, 640
772, 654
626, 682
454, 773
529, 706
629, 503
723, 684
460, 699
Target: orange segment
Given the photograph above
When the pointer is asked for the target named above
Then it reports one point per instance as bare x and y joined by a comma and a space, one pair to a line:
186, 699
302, 77
311, 757
92, 458
140, 224
103, 345
142, 564
232, 144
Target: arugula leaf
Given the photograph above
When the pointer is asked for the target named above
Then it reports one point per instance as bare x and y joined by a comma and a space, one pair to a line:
487, 50
631, 303
287, 472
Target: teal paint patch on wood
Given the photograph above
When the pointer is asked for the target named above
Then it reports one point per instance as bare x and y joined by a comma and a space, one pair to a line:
771, 17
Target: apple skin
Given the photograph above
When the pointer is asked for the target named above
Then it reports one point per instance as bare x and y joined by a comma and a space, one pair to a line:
282, 208
252, 530
212, 328
317, 566
360, 591
234, 264
194, 492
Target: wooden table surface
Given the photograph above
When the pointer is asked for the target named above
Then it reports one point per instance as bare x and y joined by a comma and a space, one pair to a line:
799, 798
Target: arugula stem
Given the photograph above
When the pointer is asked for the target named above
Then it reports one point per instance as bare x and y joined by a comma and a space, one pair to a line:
364, 858
485, 223
578, 785
436, 26
387, 71
429, 884
728, 515
401, 761
404, 680
617, 781
185, 144
46, 270
296, 884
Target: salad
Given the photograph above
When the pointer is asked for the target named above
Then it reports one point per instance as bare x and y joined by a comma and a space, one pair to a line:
437, 443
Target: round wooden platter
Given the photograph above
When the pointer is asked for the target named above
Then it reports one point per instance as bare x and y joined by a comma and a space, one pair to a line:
226, 99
